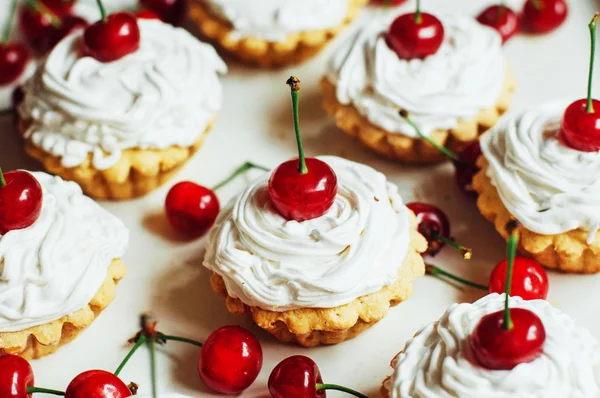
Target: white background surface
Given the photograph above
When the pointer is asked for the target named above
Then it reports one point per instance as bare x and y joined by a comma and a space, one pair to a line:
165, 274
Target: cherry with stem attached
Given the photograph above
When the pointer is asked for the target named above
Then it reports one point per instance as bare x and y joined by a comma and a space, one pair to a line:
304, 188
98, 384
543, 16
299, 377
20, 200
16, 379
14, 57
580, 127
170, 11
507, 338
415, 35
501, 18
192, 209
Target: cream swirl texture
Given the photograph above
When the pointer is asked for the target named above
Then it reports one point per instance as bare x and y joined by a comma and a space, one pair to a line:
55, 267
160, 96
546, 185
465, 76
438, 361
275, 20
354, 249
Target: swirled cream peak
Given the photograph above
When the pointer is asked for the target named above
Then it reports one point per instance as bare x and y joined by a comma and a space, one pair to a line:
275, 20
438, 361
354, 249
465, 76
162, 95
546, 185
55, 267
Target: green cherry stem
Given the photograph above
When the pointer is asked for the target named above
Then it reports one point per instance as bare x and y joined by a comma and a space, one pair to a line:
418, 17
2, 180
464, 251
38, 390
240, 170
451, 155
102, 10
294, 84
440, 273
322, 387
137, 345
166, 337
589, 108
9, 23
151, 343
511, 251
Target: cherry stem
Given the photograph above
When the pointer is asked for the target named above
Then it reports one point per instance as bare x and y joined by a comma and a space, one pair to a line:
166, 337
464, 251
511, 250
138, 344
451, 155
9, 24
2, 180
294, 84
45, 11
38, 390
102, 10
151, 343
240, 170
589, 107
438, 272
322, 387
537, 4
418, 18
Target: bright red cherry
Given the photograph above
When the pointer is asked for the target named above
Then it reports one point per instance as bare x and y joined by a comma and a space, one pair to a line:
465, 168
502, 19
112, 37
16, 375
304, 188
496, 348
170, 11
529, 280
191, 208
142, 13
97, 384
20, 200
230, 360
543, 16
14, 58
296, 377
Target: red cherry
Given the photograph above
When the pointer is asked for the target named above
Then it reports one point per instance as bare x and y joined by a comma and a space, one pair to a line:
466, 167
37, 29
69, 24
580, 129
499, 349
20, 201
191, 208
111, 39
502, 19
529, 280
60, 7
14, 58
543, 16
170, 11
16, 375
142, 13
296, 377
430, 220
388, 2
230, 360
411, 39
97, 384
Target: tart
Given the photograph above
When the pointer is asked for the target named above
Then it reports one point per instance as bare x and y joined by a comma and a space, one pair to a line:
439, 362
529, 174
272, 33
120, 129
60, 272
324, 280
452, 96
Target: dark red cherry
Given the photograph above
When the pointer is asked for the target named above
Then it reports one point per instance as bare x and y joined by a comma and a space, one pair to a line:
466, 167
501, 18
296, 377
529, 280
112, 39
388, 3
60, 7
97, 384
142, 13
170, 11
14, 58
16, 375
580, 129
412, 36
431, 222
543, 16
191, 208
20, 200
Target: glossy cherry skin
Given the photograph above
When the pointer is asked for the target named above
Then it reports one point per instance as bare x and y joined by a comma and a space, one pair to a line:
230, 360
16, 375
60, 7
14, 58
97, 384
579, 129
191, 208
429, 219
466, 167
112, 39
303, 197
20, 201
142, 13
498, 349
411, 40
529, 280
296, 377
170, 11
37, 29
543, 16
501, 18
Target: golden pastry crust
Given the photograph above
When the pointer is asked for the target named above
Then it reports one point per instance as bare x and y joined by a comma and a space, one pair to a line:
258, 52
137, 173
310, 327
414, 150
567, 252
42, 340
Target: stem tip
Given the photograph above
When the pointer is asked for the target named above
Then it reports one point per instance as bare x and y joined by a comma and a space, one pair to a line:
294, 83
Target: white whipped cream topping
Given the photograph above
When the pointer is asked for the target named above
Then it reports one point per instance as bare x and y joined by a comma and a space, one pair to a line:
546, 185
162, 95
274, 20
55, 267
465, 76
438, 361
355, 249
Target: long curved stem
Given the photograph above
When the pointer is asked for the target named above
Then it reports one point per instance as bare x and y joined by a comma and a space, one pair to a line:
464, 251
151, 343
102, 10
435, 271
321, 387
239, 171
294, 84
161, 336
451, 155
589, 107
511, 251
138, 344
38, 390
9, 23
